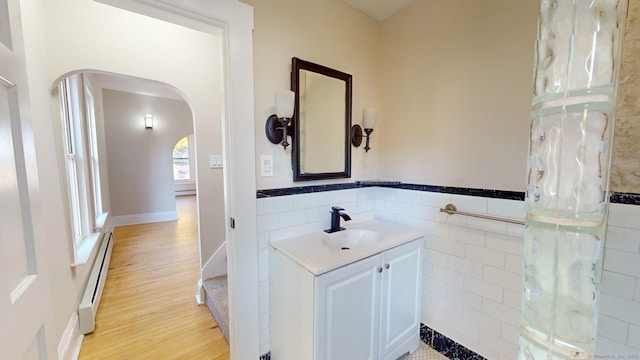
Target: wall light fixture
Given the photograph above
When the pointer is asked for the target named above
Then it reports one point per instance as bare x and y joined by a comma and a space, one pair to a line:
278, 124
370, 117
148, 121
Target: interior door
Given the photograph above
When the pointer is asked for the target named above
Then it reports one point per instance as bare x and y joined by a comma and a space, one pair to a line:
24, 290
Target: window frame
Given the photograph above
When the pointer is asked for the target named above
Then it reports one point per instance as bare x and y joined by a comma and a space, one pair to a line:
93, 158
86, 215
191, 158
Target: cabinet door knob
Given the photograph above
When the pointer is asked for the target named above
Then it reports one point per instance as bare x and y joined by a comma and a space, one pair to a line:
386, 266
379, 269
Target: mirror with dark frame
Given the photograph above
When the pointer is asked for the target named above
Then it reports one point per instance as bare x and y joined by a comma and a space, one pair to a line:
322, 121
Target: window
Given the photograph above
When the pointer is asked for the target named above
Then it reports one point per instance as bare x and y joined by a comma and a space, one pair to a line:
94, 163
82, 165
183, 160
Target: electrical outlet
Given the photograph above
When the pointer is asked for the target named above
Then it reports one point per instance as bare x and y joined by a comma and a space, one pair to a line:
266, 165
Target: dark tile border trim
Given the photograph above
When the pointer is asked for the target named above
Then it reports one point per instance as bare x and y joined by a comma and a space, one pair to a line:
625, 198
499, 194
446, 346
307, 189
490, 193
614, 197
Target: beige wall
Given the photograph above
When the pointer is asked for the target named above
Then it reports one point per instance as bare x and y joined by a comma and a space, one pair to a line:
456, 90
52, 220
140, 167
625, 168
326, 32
452, 81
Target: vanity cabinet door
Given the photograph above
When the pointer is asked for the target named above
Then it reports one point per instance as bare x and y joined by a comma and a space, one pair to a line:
400, 301
346, 311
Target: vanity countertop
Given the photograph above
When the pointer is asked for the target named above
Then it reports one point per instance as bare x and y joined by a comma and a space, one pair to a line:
311, 251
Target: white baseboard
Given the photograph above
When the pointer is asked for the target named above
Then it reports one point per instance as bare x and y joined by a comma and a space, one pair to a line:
217, 264
71, 341
185, 188
189, 185
134, 219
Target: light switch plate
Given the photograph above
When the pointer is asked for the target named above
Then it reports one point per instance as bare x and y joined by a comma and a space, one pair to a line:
215, 161
266, 165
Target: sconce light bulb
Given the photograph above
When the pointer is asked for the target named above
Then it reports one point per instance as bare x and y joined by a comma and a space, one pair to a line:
285, 101
370, 118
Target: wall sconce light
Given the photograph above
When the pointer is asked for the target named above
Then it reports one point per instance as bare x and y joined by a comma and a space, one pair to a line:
148, 121
370, 117
277, 124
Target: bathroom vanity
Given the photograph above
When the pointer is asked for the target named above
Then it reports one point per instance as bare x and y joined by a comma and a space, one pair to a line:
354, 294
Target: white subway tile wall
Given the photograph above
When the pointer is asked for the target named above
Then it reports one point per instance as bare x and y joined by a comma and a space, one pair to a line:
619, 321
478, 262
472, 267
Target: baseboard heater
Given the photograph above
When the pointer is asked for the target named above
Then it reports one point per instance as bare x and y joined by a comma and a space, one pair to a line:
93, 292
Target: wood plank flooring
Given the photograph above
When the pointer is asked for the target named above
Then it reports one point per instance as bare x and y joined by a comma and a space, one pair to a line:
148, 309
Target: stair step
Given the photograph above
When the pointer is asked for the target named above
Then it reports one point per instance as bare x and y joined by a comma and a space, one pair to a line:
217, 300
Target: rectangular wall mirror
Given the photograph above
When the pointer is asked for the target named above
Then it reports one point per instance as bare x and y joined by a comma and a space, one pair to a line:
322, 121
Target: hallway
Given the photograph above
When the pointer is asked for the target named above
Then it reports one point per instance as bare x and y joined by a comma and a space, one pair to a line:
148, 309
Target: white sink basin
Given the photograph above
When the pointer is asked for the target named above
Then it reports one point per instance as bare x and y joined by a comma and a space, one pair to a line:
320, 252
351, 239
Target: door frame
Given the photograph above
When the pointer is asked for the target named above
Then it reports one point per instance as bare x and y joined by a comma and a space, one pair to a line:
234, 20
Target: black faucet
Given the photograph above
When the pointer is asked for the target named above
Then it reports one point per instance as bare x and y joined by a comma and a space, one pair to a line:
336, 213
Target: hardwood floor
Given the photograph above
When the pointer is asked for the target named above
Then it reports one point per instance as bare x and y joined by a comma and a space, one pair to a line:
148, 309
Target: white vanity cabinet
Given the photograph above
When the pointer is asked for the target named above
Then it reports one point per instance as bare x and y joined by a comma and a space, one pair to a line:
366, 310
